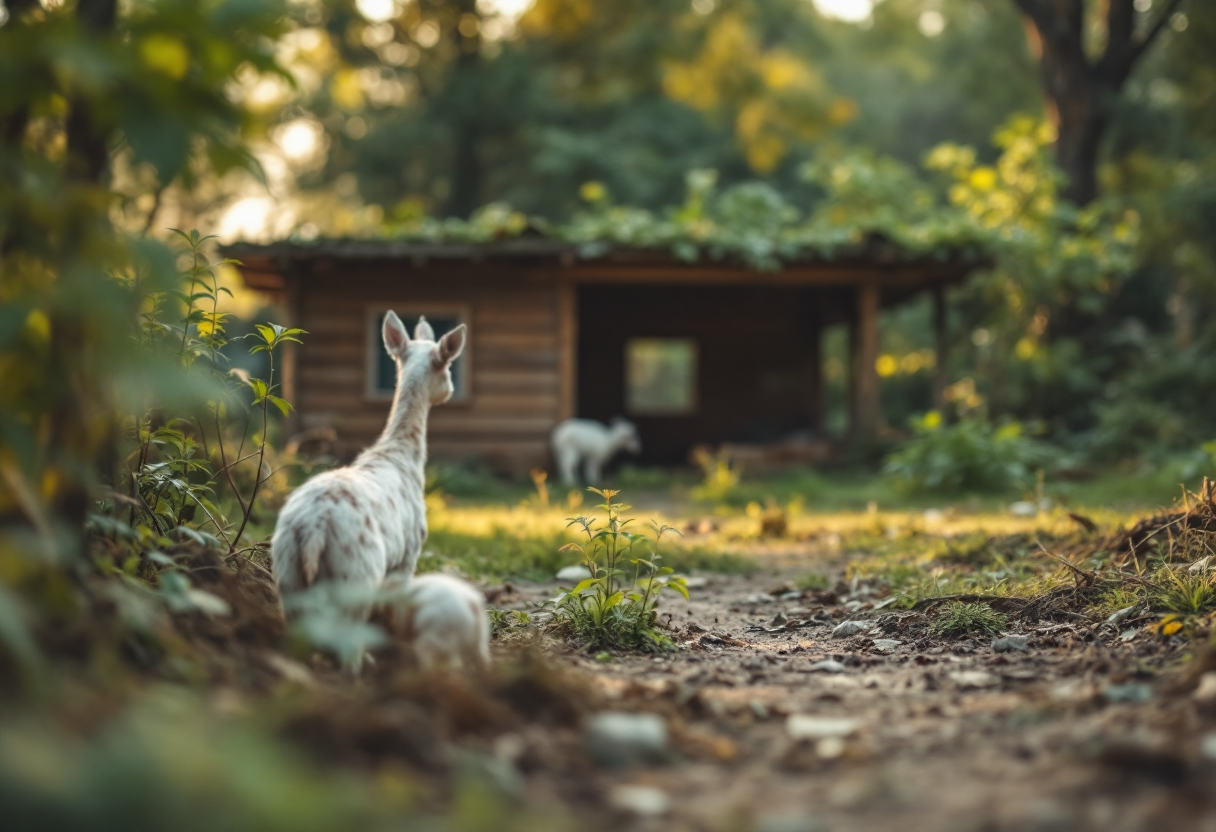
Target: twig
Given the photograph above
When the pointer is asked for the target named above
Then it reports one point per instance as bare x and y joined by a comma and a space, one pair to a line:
1078, 574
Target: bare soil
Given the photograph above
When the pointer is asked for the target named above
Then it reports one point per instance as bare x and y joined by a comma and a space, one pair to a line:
1082, 730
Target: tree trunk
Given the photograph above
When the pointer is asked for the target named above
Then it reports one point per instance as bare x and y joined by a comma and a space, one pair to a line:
467, 171
1083, 92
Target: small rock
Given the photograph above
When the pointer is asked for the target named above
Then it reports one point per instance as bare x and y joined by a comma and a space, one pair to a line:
778, 620
759, 598
1134, 693
618, 740
1200, 566
807, 727
792, 595
830, 748
974, 679
1120, 615
1023, 508
644, 801
1128, 634
827, 666
1206, 692
574, 573
696, 582
886, 645
849, 628
1010, 644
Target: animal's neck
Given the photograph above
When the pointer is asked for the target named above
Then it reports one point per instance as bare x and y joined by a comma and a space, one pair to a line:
406, 428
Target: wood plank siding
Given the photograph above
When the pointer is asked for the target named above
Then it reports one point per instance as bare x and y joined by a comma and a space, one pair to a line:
550, 331
514, 395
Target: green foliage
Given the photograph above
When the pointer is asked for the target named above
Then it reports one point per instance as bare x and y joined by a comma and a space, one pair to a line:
1183, 592
969, 455
955, 619
613, 608
813, 581
171, 479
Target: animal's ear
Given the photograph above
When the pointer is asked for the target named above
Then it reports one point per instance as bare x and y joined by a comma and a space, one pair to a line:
451, 345
396, 339
423, 331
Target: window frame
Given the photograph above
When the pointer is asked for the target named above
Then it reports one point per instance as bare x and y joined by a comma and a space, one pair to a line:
694, 406
374, 346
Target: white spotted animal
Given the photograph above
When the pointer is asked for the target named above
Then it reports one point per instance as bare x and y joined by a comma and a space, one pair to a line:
357, 524
444, 619
588, 445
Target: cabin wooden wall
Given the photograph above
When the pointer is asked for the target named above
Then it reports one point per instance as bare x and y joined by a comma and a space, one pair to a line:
516, 381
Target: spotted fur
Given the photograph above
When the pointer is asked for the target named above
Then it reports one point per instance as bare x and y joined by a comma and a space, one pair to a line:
360, 523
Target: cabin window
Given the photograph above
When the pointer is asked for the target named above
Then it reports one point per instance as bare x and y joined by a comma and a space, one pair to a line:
661, 376
382, 370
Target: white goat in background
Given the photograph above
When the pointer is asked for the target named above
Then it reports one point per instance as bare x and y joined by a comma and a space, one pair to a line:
583, 443
355, 525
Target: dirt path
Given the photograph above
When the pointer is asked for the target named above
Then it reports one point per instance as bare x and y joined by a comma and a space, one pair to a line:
1079, 731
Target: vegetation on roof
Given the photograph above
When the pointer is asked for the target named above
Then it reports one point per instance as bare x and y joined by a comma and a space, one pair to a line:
956, 208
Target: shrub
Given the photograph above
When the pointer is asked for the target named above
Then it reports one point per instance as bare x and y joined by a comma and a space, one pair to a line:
958, 619
613, 608
970, 455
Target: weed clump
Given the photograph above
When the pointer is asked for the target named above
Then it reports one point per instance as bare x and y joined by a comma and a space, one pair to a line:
957, 619
1184, 593
614, 608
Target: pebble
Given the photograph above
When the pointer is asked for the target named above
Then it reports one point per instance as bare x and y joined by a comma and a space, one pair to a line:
645, 801
575, 573
1120, 615
1010, 644
1206, 692
975, 679
828, 666
618, 740
886, 645
849, 628
759, 598
1134, 693
808, 727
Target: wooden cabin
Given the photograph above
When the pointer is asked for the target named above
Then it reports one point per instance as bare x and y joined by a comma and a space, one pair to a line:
694, 353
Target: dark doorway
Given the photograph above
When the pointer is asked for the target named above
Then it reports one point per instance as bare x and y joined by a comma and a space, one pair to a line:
699, 365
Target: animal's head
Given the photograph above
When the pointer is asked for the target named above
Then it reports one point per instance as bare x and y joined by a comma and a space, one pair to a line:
422, 360
626, 435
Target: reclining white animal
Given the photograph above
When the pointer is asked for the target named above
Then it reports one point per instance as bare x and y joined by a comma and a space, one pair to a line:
583, 443
444, 618
357, 524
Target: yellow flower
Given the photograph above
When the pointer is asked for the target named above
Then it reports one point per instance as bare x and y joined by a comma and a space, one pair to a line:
593, 191
165, 55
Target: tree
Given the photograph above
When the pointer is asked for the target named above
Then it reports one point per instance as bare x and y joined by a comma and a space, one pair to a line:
1084, 90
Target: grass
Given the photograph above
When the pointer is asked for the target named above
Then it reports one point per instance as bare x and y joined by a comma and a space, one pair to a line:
956, 619
498, 541
1183, 593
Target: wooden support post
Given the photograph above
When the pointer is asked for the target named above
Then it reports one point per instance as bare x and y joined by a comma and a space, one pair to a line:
815, 380
863, 376
288, 371
941, 348
567, 316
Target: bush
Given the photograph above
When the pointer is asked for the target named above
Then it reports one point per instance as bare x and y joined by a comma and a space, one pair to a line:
614, 608
970, 455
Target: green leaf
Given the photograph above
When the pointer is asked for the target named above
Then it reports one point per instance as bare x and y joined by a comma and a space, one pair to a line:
283, 405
